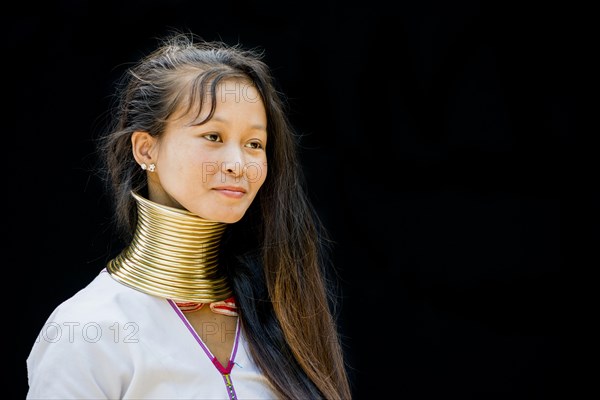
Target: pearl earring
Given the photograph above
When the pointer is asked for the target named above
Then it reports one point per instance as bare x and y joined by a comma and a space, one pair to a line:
150, 167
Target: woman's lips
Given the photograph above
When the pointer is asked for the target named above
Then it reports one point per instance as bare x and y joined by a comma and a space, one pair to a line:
231, 191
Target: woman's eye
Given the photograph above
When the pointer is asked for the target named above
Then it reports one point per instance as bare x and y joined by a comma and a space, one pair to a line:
254, 145
212, 137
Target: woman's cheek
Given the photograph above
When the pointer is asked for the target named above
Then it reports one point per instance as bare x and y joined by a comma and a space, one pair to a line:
255, 171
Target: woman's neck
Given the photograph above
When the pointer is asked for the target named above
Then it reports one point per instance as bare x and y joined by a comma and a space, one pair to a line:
173, 254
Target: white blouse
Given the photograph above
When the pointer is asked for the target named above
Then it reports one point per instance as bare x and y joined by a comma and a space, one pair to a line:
110, 341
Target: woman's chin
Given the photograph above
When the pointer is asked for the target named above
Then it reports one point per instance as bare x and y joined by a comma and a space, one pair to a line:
226, 218
229, 220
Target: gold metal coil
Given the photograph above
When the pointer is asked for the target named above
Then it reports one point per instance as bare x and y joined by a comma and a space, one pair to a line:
174, 254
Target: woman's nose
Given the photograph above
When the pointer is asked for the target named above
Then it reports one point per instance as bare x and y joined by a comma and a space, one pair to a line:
233, 163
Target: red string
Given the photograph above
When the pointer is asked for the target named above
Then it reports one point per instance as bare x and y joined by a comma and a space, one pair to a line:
224, 307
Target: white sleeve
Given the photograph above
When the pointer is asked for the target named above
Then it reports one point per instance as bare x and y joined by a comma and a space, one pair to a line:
77, 359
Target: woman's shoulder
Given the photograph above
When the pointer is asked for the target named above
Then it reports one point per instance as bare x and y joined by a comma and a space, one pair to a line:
89, 344
81, 348
99, 312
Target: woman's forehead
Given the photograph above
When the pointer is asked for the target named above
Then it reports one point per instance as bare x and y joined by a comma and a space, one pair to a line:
195, 112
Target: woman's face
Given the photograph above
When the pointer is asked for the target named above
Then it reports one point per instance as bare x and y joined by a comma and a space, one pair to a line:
213, 170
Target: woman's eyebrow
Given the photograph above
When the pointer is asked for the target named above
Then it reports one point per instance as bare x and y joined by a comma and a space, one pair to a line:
224, 120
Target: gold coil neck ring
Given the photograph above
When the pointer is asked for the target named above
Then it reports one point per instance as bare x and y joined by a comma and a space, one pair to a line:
173, 254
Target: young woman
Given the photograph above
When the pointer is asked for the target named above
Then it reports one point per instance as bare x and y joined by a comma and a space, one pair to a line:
221, 289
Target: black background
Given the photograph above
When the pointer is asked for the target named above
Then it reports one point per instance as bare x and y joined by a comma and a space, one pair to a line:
434, 140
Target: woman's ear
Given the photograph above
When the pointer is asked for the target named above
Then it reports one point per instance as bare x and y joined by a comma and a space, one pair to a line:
143, 145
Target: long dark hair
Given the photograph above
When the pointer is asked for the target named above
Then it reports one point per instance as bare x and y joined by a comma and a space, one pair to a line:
275, 255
